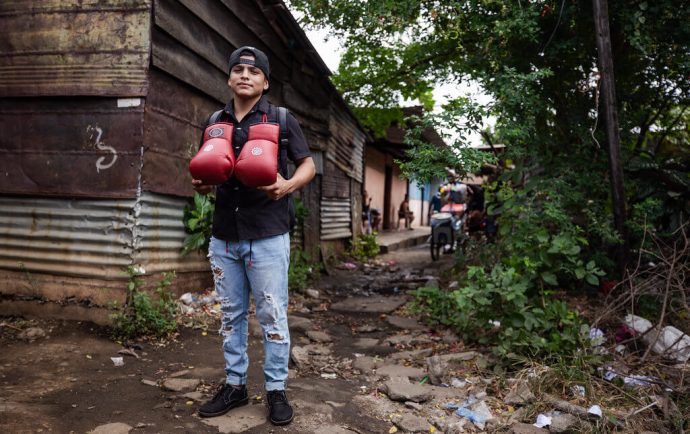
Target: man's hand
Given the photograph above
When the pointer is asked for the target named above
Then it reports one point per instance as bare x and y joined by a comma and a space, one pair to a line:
200, 187
278, 189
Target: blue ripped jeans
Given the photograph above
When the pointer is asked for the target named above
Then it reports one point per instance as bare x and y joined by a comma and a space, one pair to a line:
259, 266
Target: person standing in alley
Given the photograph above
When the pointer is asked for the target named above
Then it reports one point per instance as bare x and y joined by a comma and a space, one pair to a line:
249, 250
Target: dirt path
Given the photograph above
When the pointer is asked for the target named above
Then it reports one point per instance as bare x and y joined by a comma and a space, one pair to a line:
66, 382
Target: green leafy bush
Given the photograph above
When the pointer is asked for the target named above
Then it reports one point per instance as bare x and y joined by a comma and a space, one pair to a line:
198, 221
509, 303
365, 247
143, 316
303, 270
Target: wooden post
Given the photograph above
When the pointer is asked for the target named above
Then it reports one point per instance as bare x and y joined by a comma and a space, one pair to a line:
608, 92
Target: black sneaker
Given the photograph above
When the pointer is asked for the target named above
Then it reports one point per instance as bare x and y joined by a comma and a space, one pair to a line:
226, 399
279, 409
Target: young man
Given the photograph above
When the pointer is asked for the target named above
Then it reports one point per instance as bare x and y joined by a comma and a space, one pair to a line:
250, 246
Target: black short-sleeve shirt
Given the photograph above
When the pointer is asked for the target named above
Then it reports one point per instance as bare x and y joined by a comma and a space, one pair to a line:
244, 213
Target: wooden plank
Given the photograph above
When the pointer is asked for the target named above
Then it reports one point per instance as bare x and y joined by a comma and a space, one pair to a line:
226, 19
171, 136
102, 49
251, 15
307, 107
185, 65
193, 33
77, 147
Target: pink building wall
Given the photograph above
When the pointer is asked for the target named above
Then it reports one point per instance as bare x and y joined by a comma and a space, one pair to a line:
375, 184
375, 177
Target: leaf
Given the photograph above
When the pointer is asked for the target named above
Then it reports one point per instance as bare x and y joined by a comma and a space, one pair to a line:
549, 278
574, 250
592, 280
580, 273
192, 224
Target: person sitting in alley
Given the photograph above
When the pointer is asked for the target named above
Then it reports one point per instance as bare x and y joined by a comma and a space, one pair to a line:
375, 220
405, 213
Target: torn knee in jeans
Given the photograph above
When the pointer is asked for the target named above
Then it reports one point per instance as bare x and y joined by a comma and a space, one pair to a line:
225, 303
218, 272
225, 329
276, 338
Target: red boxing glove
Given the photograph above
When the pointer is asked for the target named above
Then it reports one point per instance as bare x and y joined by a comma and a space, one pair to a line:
215, 161
257, 164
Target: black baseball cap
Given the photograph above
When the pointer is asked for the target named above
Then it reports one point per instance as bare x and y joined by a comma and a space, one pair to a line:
260, 59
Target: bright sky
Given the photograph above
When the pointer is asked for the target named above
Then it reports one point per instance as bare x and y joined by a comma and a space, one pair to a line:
330, 51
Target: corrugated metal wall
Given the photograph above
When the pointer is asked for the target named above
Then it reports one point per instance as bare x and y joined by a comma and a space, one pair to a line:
336, 221
93, 239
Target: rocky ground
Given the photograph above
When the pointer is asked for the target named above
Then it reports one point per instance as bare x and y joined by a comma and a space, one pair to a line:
361, 363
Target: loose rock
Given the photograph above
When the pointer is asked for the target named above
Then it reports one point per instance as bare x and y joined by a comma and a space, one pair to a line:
180, 384
524, 428
320, 337
563, 422
412, 423
364, 364
312, 293
112, 428
378, 304
400, 371
365, 343
405, 391
32, 333
300, 324
520, 394
239, 420
404, 323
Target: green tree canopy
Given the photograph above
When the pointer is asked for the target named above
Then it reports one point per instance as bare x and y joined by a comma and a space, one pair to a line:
538, 61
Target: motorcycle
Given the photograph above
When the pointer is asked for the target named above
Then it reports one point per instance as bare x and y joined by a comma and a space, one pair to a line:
447, 230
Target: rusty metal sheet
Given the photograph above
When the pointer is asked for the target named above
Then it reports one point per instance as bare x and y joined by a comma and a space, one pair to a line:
90, 239
74, 47
159, 236
174, 118
335, 183
346, 144
77, 147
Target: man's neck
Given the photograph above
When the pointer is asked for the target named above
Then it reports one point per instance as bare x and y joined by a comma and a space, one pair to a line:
243, 106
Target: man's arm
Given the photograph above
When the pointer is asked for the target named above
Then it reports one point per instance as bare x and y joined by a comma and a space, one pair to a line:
305, 172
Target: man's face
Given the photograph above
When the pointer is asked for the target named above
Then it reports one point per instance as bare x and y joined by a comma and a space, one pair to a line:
247, 81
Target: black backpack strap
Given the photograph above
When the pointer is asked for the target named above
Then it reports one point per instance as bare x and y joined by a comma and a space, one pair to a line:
215, 117
282, 121
282, 146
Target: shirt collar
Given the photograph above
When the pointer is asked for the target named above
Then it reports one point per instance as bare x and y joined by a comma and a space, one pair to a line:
261, 106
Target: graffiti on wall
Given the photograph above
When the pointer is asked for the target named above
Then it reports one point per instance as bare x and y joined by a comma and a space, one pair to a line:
95, 134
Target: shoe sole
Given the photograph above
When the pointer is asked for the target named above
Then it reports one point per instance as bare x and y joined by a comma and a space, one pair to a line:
282, 422
220, 413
